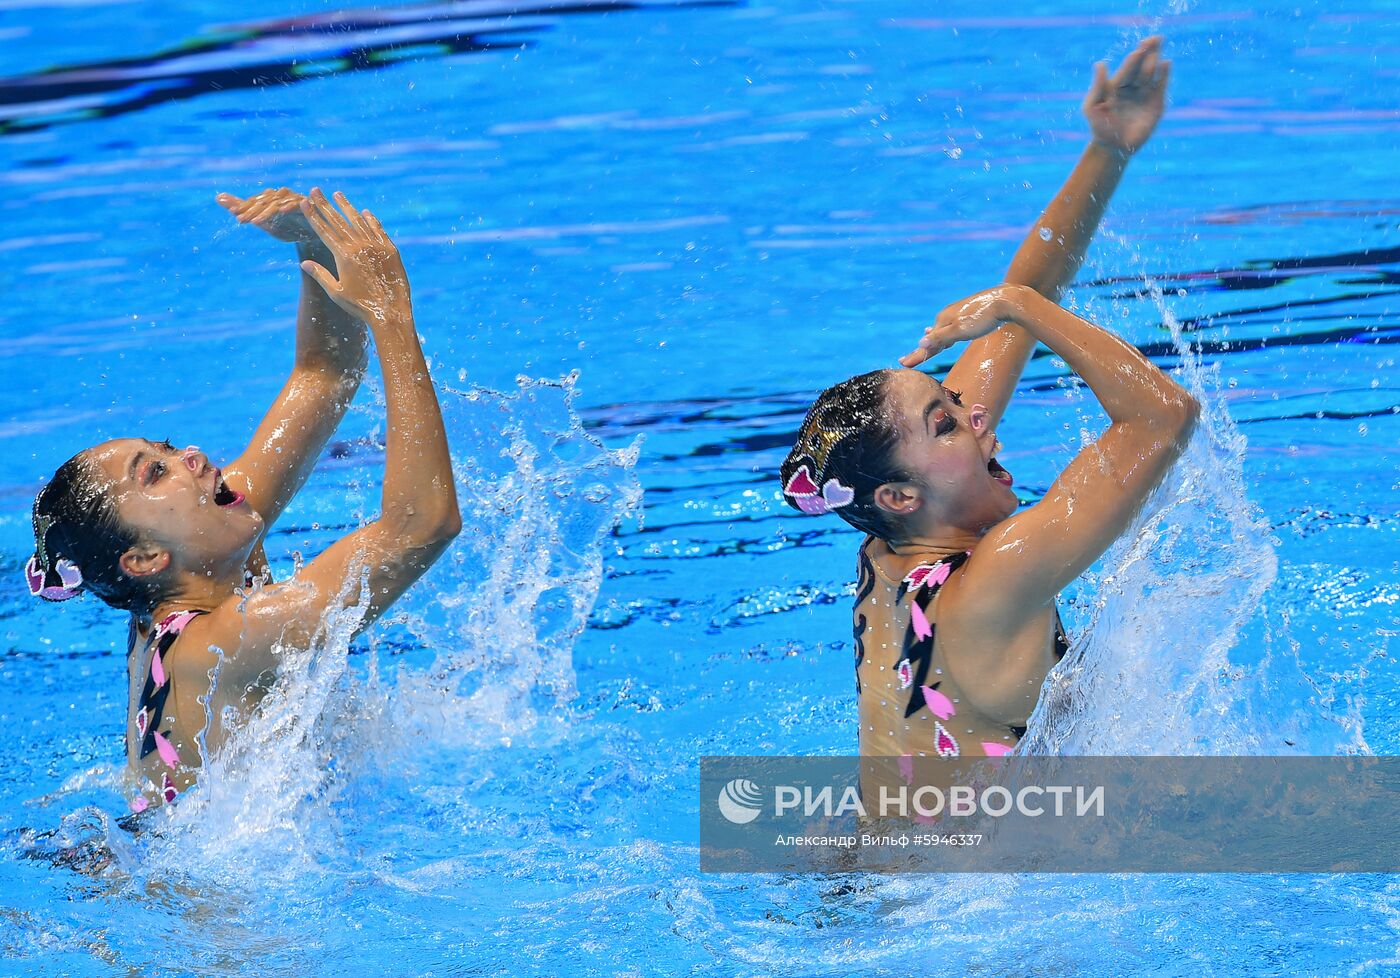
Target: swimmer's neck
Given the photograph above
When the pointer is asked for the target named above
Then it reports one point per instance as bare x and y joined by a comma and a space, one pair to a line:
193, 592
946, 541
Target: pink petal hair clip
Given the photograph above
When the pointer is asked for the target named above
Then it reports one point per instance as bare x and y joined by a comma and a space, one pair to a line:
70, 580
814, 500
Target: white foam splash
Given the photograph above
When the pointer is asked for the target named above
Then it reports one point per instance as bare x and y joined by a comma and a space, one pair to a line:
540, 499
1152, 673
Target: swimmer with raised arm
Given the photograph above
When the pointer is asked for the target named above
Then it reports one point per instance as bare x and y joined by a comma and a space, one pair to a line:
955, 622
162, 533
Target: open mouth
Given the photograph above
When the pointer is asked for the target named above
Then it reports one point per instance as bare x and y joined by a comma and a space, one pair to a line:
995, 468
998, 473
224, 496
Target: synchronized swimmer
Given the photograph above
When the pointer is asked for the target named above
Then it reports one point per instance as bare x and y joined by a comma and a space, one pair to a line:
955, 619
164, 534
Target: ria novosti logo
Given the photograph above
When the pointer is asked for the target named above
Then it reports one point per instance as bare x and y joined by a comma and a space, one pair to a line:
740, 801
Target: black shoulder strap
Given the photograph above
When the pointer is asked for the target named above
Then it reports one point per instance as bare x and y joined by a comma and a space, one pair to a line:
865, 583
1061, 640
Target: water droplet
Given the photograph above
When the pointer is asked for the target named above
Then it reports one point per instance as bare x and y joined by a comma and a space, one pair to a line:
1046, 234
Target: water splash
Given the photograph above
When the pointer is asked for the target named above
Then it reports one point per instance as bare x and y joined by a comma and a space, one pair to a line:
1152, 673
543, 508
500, 614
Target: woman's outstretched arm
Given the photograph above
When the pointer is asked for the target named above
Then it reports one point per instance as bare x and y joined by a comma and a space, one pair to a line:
326, 372
1024, 562
419, 514
1122, 113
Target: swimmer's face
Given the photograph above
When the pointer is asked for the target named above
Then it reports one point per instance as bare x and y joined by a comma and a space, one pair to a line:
177, 506
946, 447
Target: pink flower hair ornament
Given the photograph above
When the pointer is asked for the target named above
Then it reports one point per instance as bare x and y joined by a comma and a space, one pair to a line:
70, 580
814, 500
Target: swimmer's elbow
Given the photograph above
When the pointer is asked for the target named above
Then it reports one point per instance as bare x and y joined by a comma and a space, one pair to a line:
451, 526
1175, 420
1185, 413
437, 528
434, 526
446, 518
332, 382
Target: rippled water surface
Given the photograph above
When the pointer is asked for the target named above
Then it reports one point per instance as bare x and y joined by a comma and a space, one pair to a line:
709, 211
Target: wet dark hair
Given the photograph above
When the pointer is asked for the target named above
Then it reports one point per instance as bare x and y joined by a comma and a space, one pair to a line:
850, 435
75, 520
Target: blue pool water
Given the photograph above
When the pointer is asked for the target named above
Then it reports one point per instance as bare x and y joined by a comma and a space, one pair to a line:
709, 212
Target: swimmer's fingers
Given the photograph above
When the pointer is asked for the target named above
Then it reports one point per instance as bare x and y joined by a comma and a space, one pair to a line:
329, 235
1100, 88
1131, 67
249, 209
230, 203
376, 229
275, 202
323, 277
935, 341
1148, 71
1159, 81
259, 209
915, 357
356, 218
243, 208
330, 216
326, 221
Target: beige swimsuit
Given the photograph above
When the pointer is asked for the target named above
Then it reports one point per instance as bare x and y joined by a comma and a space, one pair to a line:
908, 703
153, 749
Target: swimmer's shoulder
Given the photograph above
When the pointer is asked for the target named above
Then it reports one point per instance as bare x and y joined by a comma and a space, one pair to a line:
999, 651
213, 650
189, 657
974, 600
209, 630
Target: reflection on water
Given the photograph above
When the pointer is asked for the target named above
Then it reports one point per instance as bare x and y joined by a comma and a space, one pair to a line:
288, 50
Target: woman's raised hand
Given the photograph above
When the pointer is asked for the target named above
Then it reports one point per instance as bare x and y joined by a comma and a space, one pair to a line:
1123, 110
370, 283
967, 319
277, 211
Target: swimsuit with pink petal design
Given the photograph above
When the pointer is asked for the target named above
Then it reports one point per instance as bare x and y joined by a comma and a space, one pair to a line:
922, 585
150, 728
904, 706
